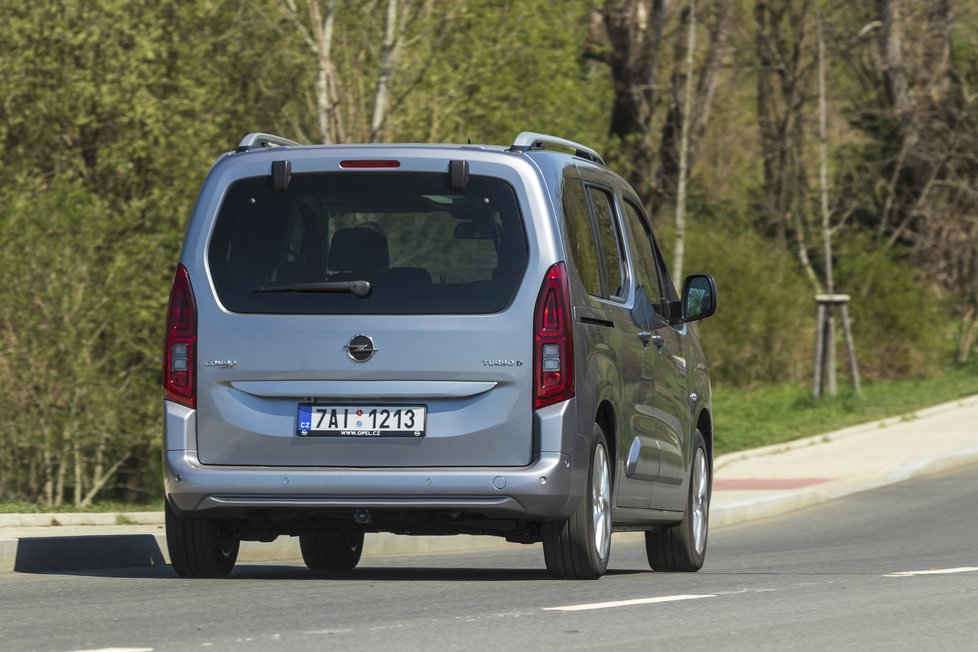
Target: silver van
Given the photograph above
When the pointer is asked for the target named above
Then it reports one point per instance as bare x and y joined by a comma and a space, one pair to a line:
431, 339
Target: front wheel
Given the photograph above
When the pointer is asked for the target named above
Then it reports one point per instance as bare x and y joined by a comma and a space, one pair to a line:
578, 548
682, 547
200, 547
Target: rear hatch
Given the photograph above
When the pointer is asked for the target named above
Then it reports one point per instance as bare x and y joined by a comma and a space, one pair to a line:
302, 363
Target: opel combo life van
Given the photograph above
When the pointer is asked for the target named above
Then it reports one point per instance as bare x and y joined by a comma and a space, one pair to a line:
431, 339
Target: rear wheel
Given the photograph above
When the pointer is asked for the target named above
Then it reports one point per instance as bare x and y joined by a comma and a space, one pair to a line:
332, 550
682, 547
578, 548
200, 547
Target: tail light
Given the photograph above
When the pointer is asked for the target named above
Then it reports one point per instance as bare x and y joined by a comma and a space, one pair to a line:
553, 346
180, 352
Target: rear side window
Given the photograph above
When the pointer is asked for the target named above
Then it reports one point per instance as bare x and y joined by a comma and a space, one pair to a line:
425, 249
581, 238
647, 267
604, 218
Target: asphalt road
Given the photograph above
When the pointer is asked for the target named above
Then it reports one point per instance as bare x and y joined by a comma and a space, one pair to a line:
832, 576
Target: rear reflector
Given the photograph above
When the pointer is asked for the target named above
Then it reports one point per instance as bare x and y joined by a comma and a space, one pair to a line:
553, 346
180, 346
370, 164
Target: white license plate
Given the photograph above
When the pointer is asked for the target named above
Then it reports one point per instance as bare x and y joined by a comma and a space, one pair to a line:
320, 420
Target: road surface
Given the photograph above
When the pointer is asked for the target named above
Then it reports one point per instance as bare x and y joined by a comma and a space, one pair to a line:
894, 568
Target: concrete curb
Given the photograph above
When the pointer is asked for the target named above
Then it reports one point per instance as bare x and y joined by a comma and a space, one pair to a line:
78, 519
814, 440
776, 504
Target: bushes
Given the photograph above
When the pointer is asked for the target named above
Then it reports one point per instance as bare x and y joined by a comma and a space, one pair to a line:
899, 323
764, 328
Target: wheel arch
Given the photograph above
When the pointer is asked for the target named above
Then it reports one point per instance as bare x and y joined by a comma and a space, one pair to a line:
704, 423
605, 417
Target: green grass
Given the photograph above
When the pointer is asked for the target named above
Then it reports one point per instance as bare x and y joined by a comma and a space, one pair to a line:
772, 415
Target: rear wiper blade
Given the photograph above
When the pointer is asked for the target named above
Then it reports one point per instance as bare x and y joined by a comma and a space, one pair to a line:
360, 288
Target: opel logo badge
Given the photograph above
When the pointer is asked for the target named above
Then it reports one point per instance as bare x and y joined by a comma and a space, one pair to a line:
361, 348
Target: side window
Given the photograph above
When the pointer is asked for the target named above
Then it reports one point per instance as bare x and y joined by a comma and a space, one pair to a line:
647, 267
581, 237
604, 216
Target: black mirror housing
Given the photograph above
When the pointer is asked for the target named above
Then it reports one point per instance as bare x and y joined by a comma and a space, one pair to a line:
699, 299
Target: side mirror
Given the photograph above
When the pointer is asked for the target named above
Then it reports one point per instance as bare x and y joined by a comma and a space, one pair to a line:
699, 297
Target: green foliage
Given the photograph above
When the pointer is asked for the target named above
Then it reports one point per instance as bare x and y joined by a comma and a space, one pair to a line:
510, 67
107, 112
763, 330
111, 113
899, 323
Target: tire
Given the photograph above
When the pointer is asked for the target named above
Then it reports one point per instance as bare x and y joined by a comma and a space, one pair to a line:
682, 547
200, 547
332, 550
579, 548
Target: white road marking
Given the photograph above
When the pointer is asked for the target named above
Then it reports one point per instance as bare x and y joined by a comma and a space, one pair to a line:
328, 631
118, 649
627, 603
941, 571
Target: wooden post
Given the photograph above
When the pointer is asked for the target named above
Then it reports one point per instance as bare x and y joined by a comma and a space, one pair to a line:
819, 351
825, 371
850, 343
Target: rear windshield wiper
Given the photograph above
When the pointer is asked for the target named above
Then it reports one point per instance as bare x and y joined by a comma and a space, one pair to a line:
360, 288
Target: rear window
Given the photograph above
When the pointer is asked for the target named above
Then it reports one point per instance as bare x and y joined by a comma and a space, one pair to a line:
424, 248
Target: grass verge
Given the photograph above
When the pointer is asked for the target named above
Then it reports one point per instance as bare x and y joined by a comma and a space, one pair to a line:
773, 415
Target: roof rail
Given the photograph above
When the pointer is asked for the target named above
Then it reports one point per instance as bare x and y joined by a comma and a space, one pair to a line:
256, 140
529, 140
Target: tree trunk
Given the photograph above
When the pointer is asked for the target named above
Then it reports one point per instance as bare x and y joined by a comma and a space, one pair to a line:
680, 244
78, 474
706, 87
59, 484
894, 71
697, 112
634, 35
388, 59
823, 161
780, 34
100, 480
48, 489
322, 30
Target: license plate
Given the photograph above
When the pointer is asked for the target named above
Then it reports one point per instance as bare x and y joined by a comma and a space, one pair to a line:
316, 420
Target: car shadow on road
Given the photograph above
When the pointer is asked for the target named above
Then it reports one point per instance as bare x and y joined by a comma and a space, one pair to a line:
270, 572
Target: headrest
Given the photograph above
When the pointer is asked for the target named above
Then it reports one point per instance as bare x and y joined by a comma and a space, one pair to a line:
359, 249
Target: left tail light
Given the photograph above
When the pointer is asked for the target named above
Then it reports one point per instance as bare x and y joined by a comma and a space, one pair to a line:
180, 348
553, 345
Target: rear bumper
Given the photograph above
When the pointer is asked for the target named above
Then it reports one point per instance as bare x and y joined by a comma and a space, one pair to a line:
544, 490
549, 488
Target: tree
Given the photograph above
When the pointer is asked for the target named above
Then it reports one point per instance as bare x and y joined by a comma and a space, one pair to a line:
629, 37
